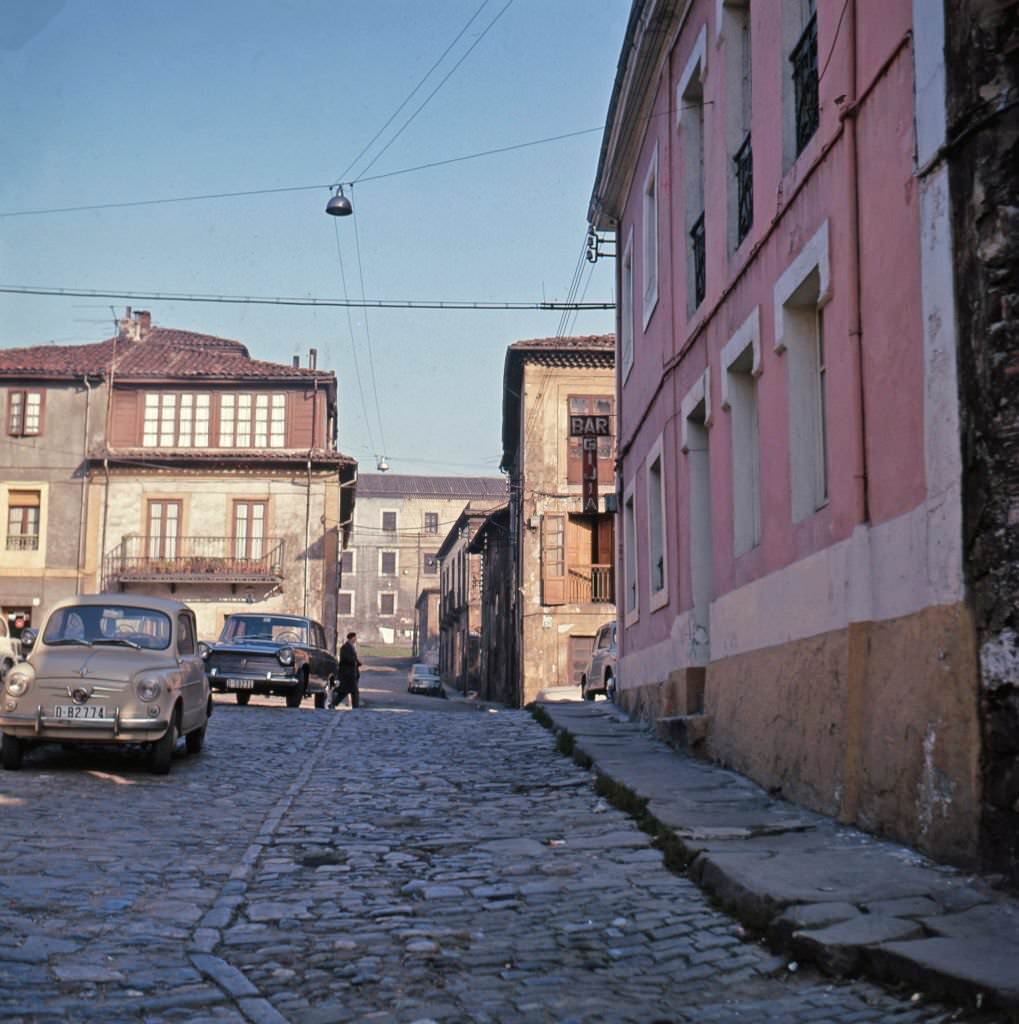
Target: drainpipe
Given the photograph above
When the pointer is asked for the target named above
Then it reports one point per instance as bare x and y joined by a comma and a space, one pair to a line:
84, 487
106, 507
307, 535
848, 117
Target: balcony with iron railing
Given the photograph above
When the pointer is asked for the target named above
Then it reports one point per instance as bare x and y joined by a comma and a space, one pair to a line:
22, 542
590, 584
697, 254
804, 62
744, 170
138, 559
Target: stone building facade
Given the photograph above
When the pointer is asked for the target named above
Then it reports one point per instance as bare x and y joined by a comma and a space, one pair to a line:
399, 523
493, 546
200, 472
562, 543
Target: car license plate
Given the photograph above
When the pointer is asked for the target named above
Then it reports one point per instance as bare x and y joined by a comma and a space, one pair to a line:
76, 711
240, 684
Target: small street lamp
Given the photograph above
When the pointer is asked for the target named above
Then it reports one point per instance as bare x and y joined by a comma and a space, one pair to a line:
339, 204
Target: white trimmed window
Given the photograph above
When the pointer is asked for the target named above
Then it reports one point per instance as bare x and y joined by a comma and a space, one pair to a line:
176, 420
387, 603
800, 296
389, 563
649, 236
658, 581
631, 600
741, 361
252, 421
345, 602
626, 307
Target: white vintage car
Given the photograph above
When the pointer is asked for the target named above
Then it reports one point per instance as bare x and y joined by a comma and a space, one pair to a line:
108, 669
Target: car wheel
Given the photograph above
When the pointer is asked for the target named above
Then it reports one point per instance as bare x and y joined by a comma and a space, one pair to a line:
243, 697
11, 752
320, 700
163, 748
294, 698
195, 740
586, 693
610, 688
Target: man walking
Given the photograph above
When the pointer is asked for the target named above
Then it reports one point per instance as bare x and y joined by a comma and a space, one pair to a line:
349, 672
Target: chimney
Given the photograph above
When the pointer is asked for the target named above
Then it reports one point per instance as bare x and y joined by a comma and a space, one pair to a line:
312, 358
134, 328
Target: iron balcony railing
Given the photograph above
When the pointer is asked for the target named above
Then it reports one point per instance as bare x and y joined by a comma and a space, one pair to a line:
744, 168
697, 253
139, 559
22, 542
590, 584
804, 62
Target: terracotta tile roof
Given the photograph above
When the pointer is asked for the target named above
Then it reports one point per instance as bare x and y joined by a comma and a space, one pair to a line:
575, 343
156, 458
396, 485
163, 353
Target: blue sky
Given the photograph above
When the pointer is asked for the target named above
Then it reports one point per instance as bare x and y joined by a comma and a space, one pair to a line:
112, 101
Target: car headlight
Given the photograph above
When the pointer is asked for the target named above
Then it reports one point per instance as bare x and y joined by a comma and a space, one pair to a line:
18, 680
148, 689
285, 655
204, 650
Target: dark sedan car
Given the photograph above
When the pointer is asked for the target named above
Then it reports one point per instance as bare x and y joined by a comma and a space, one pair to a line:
280, 655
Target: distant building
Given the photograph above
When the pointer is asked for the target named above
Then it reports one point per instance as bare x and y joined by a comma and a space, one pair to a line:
426, 629
170, 462
399, 523
558, 441
460, 601
493, 546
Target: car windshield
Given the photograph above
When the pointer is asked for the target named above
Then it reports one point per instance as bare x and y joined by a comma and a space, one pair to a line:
276, 628
117, 625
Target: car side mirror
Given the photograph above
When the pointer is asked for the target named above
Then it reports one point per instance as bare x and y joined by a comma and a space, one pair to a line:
28, 638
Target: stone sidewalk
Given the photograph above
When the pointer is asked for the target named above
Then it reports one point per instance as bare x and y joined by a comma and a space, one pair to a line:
819, 891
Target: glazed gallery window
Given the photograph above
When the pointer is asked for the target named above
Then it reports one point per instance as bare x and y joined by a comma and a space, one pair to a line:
163, 529
176, 421
24, 413
591, 405
23, 520
252, 421
249, 529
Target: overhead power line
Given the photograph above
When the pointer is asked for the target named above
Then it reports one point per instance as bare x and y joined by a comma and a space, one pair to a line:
264, 300
299, 188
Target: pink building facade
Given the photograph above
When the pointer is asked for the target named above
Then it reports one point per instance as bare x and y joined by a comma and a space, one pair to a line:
790, 540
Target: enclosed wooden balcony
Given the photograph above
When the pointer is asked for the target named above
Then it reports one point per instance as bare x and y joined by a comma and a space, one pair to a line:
139, 559
590, 584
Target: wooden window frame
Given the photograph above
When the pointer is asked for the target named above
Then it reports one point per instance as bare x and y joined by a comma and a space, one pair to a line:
244, 547
160, 550
18, 401
553, 558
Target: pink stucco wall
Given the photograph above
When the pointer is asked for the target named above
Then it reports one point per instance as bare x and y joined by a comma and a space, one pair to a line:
789, 208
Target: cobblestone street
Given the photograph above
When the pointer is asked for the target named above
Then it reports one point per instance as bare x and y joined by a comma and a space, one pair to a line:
389, 864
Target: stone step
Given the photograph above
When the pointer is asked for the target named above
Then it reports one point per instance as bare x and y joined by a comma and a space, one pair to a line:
688, 732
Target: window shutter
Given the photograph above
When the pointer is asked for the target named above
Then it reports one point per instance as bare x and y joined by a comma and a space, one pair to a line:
553, 559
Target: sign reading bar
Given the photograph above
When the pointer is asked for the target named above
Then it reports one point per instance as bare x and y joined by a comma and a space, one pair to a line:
590, 426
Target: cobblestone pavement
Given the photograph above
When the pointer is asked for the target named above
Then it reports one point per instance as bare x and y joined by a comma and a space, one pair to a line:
376, 865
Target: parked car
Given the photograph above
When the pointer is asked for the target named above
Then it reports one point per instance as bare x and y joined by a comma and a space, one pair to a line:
10, 649
108, 668
422, 679
599, 677
280, 655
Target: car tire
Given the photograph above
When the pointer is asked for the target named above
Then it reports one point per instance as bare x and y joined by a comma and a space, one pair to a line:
586, 693
320, 700
163, 748
243, 697
610, 688
11, 752
294, 698
195, 740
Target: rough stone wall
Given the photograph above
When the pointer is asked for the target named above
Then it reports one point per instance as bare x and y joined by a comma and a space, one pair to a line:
982, 57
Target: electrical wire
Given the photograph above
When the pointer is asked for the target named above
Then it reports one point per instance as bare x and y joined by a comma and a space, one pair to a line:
353, 342
445, 79
253, 300
301, 188
392, 117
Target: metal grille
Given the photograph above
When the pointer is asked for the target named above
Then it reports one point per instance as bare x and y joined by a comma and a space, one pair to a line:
744, 161
804, 62
697, 253
22, 542
231, 664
